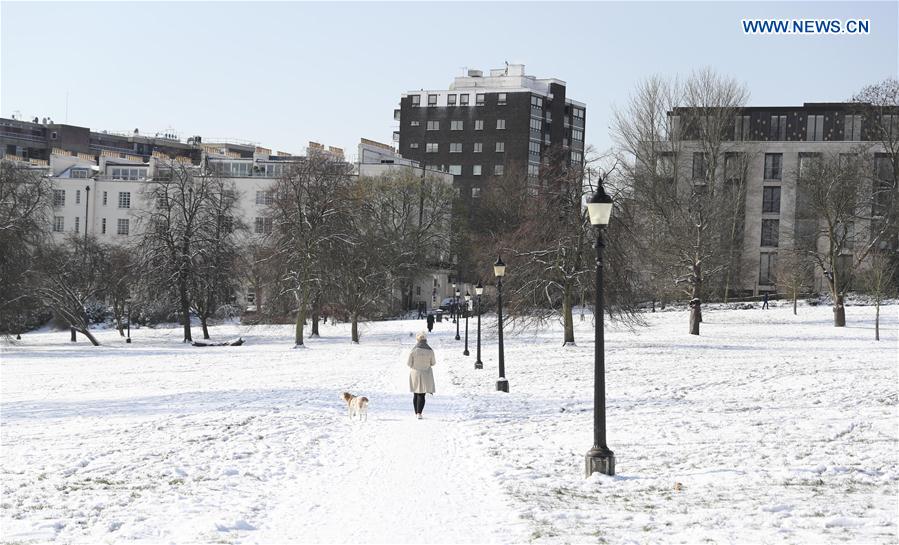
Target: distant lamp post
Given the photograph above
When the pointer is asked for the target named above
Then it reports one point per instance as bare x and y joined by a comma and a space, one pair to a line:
599, 458
499, 269
128, 315
479, 290
465, 312
457, 316
453, 306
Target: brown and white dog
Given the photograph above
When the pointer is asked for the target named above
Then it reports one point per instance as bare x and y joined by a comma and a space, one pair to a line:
356, 406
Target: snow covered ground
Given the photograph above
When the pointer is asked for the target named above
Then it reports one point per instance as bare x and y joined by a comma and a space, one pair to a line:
779, 429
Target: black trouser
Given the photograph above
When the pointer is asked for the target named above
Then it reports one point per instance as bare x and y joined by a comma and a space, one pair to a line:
418, 401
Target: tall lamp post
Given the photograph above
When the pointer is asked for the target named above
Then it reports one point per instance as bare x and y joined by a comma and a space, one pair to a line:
128, 314
465, 312
599, 458
458, 317
478, 290
499, 269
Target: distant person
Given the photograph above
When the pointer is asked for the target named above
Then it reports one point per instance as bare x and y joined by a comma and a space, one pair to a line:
430, 322
421, 376
765, 301
421, 310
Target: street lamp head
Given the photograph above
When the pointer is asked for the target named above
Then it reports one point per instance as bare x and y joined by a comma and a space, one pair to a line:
457, 292
467, 297
599, 206
454, 285
479, 289
499, 268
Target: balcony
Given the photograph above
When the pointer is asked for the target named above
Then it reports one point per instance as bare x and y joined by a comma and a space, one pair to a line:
396, 114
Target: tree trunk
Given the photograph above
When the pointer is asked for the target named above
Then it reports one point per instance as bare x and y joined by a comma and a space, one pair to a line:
316, 310
567, 317
89, 336
839, 312
583, 303
794, 302
73, 338
118, 324
877, 320
205, 328
696, 310
355, 328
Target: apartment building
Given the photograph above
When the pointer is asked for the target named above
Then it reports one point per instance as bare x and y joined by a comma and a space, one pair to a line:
776, 143
485, 126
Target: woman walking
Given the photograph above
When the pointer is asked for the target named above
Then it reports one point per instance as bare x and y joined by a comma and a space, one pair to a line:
421, 377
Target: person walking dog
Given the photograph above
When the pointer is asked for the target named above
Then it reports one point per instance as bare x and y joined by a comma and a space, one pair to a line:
421, 377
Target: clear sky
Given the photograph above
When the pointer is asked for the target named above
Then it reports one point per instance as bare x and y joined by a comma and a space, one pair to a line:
281, 74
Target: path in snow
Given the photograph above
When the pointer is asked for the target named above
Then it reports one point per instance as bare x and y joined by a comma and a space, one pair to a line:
396, 479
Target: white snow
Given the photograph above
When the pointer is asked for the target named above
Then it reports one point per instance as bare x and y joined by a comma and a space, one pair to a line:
779, 429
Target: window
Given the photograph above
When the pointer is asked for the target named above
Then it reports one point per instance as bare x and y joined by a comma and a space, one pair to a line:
844, 234
534, 150
59, 224
432, 100
699, 166
456, 125
478, 146
889, 125
770, 230
122, 226
264, 198
501, 99
815, 130
103, 226
263, 226
500, 123
500, 147
576, 157
104, 198
455, 147
478, 124
463, 100
413, 145
77, 223
533, 170
577, 135
778, 128
536, 103
450, 100
124, 199
741, 127
479, 99
476, 170
59, 197
414, 123
498, 170
53, 135
536, 125
771, 200
455, 170
77, 196
733, 166
416, 100
852, 127
773, 164
432, 147
578, 113
767, 262
433, 125
476, 192
807, 163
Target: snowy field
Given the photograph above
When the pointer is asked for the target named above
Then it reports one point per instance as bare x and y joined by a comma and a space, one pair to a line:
779, 429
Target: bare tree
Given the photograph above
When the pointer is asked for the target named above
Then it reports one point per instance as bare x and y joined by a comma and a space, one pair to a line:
119, 281
70, 275
793, 273
674, 140
177, 203
835, 226
307, 204
878, 279
24, 204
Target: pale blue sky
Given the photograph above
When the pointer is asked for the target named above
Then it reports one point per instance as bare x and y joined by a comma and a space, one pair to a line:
281, 74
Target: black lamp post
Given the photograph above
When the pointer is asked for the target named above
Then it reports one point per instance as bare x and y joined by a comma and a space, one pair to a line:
599, 458
453, 306
128, 314
499, 269
465, 312
478, 290
458, 317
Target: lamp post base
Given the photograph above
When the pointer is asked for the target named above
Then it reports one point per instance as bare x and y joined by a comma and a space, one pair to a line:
479, 364
465, 353
600, 461
458, 338
128, 340
502, 385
